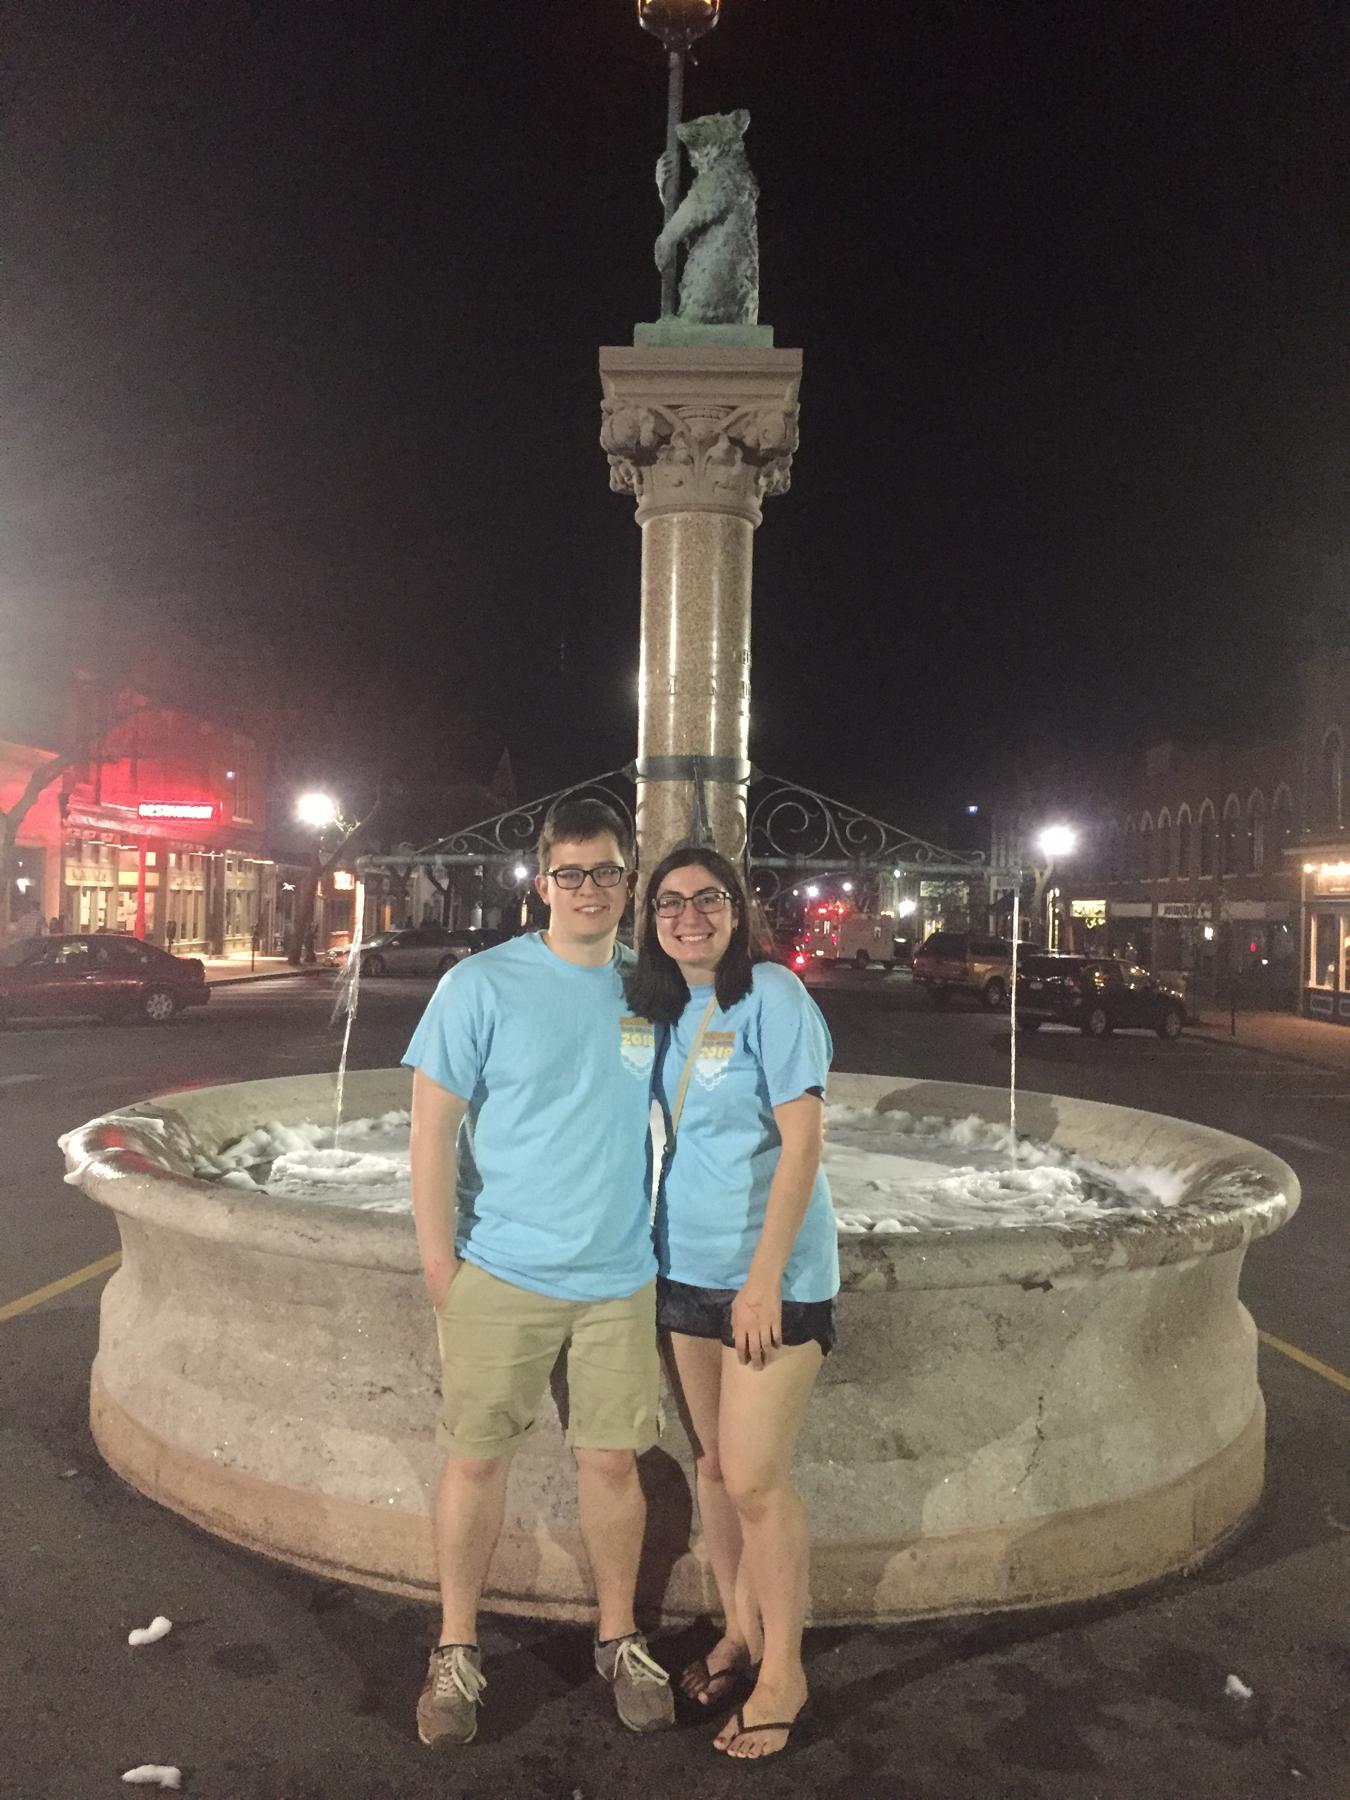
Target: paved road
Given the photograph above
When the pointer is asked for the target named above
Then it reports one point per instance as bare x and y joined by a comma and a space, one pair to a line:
277, 1686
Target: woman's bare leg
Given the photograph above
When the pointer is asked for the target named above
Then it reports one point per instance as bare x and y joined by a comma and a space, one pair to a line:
695, 1366
760, 1413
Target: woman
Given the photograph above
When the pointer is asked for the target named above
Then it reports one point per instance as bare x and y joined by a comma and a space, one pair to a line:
748, 1262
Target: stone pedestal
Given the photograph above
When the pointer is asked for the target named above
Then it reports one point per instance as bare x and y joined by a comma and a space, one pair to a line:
698, 435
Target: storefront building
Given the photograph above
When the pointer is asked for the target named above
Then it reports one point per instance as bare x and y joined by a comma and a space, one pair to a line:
163, 837
1323, 851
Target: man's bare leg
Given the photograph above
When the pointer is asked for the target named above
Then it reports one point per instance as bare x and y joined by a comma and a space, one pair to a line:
470, 1507
613, 1514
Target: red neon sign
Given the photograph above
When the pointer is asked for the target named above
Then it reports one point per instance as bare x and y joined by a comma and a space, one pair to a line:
177, 809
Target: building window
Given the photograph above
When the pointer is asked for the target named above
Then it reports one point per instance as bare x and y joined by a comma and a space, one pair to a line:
1281, 818
1184, 837
1327, 809
1324, 947
1256, 834
1230, 842
1207, 839
1148, 867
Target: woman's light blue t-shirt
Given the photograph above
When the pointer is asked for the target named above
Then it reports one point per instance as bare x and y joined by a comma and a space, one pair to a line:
555, 1152
766, 1050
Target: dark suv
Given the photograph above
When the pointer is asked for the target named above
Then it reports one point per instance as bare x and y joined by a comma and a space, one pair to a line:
966, 962
1097, 995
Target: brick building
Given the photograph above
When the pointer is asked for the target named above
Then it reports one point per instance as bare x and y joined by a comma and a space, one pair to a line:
1227, 865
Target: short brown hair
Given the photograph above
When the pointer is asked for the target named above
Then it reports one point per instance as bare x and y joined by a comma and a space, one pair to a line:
576, 821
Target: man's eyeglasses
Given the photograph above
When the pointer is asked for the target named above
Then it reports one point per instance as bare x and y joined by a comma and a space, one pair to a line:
604, 875
710, 900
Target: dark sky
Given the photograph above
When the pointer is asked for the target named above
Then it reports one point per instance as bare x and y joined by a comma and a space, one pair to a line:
301, 309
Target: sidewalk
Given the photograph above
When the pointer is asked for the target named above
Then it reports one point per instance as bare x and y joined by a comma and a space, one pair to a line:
1278, 1034
221, 969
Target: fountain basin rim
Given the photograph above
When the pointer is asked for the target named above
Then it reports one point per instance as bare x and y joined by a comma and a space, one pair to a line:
146, 1173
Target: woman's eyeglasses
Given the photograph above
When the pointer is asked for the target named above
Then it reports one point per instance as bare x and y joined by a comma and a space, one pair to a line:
710, 900
604, 875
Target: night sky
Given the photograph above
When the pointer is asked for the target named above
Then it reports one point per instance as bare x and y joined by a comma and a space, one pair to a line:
301, 310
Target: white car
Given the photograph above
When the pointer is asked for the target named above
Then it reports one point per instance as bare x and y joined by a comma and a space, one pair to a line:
419, 949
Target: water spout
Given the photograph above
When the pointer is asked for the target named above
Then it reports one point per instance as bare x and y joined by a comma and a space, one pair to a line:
348, 994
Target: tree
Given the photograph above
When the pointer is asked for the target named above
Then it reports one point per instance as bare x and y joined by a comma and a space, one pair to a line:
71, 756
299, 946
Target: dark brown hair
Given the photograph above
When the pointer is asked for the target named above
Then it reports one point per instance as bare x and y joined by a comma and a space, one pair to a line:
657, 988
578, 820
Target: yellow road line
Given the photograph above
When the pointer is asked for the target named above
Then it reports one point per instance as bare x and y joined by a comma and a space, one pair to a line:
1325, 1370
102, 1267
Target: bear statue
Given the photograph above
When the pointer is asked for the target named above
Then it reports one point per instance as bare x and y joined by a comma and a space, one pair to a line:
716, 224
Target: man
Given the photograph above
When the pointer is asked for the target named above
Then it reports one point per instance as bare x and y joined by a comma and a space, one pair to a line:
533, 1225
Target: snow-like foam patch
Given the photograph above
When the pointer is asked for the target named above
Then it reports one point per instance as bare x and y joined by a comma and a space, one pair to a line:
889, 1173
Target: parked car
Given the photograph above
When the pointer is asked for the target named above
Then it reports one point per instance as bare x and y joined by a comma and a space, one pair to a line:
103, 975
420, 949
964, 962
1097, 995
785, 945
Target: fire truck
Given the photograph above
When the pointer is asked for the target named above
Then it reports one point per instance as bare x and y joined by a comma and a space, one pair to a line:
835, 931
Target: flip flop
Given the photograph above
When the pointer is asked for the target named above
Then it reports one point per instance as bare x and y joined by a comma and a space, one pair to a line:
744, 1730
713, 1684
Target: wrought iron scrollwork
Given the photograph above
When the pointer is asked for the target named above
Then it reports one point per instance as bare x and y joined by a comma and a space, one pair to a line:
515, 833
790, 823
788, 826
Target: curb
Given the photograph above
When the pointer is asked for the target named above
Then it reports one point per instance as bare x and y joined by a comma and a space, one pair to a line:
271, 975
1214, 1034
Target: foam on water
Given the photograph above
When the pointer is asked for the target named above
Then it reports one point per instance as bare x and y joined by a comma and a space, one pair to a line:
889, 1173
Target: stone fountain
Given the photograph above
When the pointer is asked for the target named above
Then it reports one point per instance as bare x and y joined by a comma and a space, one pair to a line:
1014, 1417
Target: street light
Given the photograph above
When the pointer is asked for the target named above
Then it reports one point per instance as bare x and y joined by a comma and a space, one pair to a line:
1054, 843
679, 24
1057, 841
317, 810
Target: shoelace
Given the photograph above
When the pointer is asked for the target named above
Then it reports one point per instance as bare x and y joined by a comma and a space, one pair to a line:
455, 1673
637, 1664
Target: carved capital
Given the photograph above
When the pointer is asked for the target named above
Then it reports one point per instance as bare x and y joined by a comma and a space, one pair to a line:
698, 432
699, 458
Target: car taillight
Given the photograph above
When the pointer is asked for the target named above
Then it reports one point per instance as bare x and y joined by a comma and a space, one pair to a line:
799, 961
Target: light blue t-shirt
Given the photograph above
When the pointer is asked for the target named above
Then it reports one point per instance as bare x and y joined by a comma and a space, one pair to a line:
555, 1151
766, 1050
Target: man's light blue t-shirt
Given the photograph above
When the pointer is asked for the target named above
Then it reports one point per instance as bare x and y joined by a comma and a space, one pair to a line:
766, 1050
555, 1152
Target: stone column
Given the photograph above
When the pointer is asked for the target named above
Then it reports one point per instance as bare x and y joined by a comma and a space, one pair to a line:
698, 435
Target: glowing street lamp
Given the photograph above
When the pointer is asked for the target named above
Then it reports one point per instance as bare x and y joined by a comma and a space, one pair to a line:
679, 24
1057, 841
317, 810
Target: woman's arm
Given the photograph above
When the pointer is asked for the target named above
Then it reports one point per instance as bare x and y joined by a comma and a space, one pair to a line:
757, 1310
436, 1118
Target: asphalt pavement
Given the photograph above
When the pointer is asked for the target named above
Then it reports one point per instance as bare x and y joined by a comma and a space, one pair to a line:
275, 1685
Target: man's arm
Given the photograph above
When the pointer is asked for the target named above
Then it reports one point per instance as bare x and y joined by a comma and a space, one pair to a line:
436, 1118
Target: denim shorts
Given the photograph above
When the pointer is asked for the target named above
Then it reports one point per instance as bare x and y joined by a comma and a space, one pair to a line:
705, 1312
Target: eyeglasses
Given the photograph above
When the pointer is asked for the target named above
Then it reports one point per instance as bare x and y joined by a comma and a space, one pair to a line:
604, 875
670, 906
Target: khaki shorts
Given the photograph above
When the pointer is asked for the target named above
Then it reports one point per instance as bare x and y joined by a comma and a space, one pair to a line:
499, 1344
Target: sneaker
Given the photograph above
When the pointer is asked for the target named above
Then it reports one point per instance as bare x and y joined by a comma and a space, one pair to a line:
642, 1696
447, 1708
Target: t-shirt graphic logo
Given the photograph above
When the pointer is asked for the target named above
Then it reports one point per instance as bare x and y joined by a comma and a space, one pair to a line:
714, 1055
637, 1045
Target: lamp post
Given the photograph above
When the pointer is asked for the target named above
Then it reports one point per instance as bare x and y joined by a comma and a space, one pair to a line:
1054, 844
320, 812
679, 24
1054, 841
